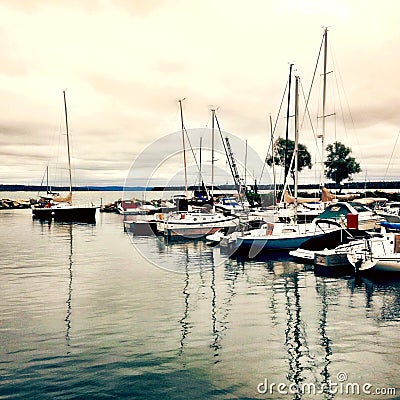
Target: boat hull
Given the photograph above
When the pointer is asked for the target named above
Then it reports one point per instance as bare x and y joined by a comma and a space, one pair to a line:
195, 225
42, 213
66, 214
191, 232
270, 243
141, 228
386, 264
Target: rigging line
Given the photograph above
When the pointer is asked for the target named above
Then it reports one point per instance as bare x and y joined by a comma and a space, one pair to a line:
307, 112
391, 156
340, 98
307, 100
263, 167
225, 147
193, 154
314, 75
274, 129
57, 173
44, 174
359, 147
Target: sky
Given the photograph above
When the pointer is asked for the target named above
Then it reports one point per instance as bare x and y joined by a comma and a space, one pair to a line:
125, 64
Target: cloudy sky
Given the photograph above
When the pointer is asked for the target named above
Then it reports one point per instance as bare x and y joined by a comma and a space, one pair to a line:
125, 63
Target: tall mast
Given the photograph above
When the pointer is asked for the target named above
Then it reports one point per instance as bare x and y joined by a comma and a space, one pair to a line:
296, 146
69, 154
184, 148
287, 125
212, 151
273, 158
323, 106
47, 180
201, 145
245, 165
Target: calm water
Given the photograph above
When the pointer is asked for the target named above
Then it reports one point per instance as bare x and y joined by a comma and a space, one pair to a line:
85, 315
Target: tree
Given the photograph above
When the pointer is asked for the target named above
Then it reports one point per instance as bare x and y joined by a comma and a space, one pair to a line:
304, 157
339, 165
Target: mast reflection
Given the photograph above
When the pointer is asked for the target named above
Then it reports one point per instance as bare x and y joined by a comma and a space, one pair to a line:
293, 333
325, 341
69, 297
183, 321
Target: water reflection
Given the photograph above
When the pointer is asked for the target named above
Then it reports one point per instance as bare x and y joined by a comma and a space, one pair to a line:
220, 300
178, 255
63, 232
325, 341
69, 297
236, 323
382, 297
216, 344
183, 321
293, 333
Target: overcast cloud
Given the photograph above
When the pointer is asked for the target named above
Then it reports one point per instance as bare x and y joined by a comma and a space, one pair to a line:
126, 63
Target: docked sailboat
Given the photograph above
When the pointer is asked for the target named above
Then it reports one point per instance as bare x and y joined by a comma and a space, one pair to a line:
60, 208
193, 222
380, 254
280, 236
284, 236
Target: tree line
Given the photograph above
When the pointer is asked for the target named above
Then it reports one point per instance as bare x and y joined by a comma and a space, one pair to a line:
339, 164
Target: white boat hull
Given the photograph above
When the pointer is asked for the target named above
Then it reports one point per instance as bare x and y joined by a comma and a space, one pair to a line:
196, 225
377, 254
387, 264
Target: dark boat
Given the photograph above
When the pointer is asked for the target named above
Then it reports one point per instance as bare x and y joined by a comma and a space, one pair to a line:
65, 213
61, 208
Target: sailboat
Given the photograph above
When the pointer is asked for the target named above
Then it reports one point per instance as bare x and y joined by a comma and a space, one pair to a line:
60, 208
282, 236
198, 221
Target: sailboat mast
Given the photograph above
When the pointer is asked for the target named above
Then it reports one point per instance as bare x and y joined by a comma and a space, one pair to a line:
296, 146
287, 125
273, 158
184, 148
200, 161
323, 106
47, 180
245, 165
68, 149
212, 151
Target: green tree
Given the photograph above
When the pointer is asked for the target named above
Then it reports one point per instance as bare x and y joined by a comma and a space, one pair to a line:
339, 165
303, 160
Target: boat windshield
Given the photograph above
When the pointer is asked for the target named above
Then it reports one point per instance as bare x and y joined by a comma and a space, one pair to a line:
360, 207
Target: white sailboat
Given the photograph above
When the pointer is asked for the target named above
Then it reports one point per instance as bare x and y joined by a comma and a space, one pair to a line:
194, 222
284, 236
61, 208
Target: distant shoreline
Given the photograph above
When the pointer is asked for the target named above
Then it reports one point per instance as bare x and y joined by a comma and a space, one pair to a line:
347, 186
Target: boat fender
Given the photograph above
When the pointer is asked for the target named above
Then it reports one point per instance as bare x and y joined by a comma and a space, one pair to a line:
270, 228
160, 217
182, 216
